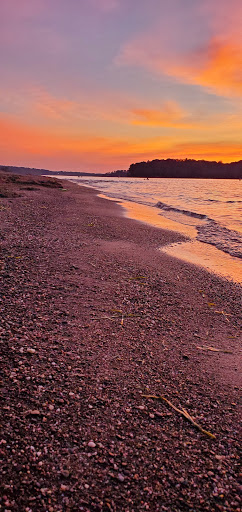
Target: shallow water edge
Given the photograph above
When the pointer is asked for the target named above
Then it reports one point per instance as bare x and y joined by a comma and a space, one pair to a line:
193, 251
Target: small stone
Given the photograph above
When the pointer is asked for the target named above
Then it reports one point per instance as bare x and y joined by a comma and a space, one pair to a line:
65, 473
31, 350
91, 444
121, 477
64, 487
35, 412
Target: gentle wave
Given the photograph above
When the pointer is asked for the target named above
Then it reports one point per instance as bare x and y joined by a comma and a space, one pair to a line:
168, 208
224, 239
211, 232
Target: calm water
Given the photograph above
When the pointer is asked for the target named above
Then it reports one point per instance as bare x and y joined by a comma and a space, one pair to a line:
208, 211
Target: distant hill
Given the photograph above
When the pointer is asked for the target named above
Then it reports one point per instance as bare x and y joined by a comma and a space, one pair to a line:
172, 168
24, 170
40, 172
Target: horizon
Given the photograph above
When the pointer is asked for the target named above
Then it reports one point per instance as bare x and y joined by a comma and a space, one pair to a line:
96, 87
116, 170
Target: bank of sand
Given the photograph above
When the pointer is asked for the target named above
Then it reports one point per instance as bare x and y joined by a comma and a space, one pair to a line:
94, 317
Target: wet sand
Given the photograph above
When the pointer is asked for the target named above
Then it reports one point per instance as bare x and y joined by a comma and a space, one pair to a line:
95, 319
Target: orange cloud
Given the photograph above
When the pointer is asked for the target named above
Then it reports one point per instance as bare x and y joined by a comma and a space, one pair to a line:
23, 144
171, 115
52, 107
17, 136
217, 66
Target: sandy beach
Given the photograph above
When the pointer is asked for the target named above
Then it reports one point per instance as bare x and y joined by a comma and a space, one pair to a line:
107, 343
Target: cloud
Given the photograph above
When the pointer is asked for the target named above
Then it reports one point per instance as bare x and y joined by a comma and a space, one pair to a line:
25, 144
217, 66
212, 60
171, 115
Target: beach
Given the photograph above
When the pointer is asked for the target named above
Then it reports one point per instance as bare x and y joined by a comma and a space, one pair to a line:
105, 342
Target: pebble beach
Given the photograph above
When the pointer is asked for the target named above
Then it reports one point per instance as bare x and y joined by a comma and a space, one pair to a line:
121, 364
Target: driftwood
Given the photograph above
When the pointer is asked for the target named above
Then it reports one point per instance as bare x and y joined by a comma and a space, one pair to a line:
184, 413
213, 349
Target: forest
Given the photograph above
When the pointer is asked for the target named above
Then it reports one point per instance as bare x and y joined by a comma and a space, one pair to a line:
172, 168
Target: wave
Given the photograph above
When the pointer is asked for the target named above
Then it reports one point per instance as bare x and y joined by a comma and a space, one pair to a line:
224, 239
168, 208
211, 232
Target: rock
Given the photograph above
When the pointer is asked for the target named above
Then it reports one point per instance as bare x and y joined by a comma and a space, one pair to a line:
120, 477
91, 444
65, 473
64, 487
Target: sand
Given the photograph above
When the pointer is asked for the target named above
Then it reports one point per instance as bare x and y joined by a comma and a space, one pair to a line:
95, 318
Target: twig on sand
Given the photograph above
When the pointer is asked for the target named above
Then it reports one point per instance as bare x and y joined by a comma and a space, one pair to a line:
224, 314
184, 413
213, 349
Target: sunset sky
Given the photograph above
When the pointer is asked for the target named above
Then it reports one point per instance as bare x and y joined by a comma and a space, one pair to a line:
95, 85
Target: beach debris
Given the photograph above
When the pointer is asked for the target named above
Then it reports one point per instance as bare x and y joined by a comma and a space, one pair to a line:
122, 320
224, 314
184, 413
137, 278
213, 349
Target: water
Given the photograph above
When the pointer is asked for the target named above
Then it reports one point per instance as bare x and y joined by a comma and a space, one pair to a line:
209, 212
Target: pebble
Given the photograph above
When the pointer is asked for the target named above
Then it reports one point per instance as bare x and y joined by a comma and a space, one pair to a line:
121, 477
91, 444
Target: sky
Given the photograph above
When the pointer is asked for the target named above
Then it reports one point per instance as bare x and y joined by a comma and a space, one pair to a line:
96, 85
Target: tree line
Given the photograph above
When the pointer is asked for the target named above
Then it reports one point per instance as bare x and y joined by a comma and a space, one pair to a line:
188, 168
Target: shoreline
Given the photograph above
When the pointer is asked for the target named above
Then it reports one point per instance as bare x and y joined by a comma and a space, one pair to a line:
194, 251
94, 318
190, 250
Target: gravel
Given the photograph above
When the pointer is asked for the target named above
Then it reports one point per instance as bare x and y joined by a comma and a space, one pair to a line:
95, 320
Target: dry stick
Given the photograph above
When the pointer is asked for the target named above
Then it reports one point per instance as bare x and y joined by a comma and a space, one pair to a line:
213, 349
184, 413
